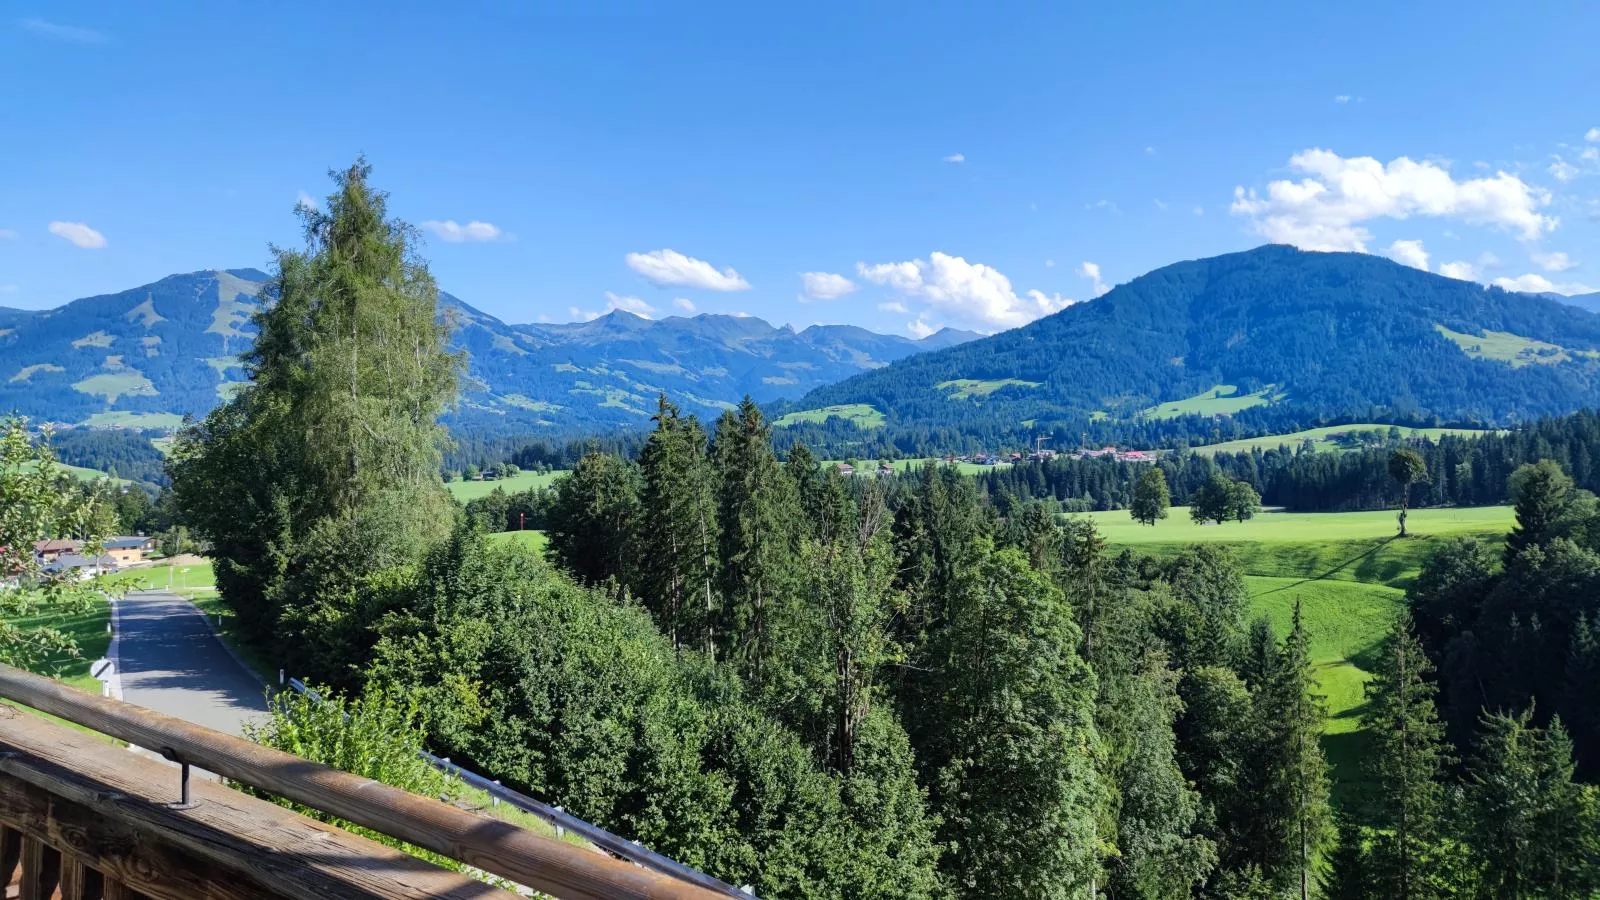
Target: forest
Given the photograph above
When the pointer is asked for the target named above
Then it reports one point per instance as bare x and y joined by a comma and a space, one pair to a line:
865, 688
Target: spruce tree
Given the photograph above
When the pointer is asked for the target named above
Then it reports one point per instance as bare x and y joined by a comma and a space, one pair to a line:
675, 552
759, 521
592, 518
1406, 763
1580, 700
1540, 493
1287, 775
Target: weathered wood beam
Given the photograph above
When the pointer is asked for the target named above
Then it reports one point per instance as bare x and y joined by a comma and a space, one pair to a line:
554, 867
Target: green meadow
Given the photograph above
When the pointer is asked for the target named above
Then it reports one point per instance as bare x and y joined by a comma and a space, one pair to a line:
864, 415
516, 484
532, 538
1322, 438
1348, 571
1221, 400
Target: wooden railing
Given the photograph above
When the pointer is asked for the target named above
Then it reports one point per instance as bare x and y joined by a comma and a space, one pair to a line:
82, 818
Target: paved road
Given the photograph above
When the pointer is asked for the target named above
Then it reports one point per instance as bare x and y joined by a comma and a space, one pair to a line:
172, 663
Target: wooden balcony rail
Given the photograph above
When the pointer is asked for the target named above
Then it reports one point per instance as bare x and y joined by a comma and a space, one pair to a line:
80, 818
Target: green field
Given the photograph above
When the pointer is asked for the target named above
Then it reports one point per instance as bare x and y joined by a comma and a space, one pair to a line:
516, 484
870, 466
1518, 351
862, 414
1348, 570
972, 389
530, 538
122, 419
1221, 400
1276, 526
189, 579
1321, 438
112, 385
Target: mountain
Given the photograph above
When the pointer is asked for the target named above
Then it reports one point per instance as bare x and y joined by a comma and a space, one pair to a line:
1591, 302
149, 355
1273, 334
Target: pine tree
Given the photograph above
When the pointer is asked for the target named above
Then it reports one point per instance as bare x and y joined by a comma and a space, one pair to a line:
676, 552
1540, 492
1580, 701
1406, 763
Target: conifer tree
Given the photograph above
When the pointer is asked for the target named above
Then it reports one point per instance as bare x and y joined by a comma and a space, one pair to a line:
592, 519
1540, 492
676, 549
1580, 701
1406, 763
1287, 775
759, 523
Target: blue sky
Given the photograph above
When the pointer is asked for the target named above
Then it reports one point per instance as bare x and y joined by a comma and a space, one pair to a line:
930, 164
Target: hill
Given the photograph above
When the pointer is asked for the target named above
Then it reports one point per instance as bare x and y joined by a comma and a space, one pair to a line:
1274, 336
144, 357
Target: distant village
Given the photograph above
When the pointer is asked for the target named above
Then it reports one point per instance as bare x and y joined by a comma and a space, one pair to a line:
1008, 459
64, 556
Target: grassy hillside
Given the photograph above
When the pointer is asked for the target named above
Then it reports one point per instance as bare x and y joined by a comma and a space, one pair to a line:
516, 484
864, 415
1325, 438
1349, 572
1219, 400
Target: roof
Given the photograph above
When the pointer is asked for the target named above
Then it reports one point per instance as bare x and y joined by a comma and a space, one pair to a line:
79, 561
126, 543
56, 545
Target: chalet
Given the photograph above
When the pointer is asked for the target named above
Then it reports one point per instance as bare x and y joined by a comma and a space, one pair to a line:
81, 566
129, 551
845, 469
1136, 456
49, 551
885, 469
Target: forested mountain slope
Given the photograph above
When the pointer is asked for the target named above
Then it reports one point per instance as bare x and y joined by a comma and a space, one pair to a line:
1272, 331
149, 355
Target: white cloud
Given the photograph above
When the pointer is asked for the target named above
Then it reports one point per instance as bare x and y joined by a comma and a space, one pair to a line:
893, 306
1342, 98
1561, 170
920, 329
741, 314
1199, 210
825, 286
1590, 154
1091, 271
683, 303
69, 33
1555, 261
1408, 253
1160, 205
1538, 284
1325, 210
972, 292
306, 201
615, 302
8, 289
669, 267
1459, 269
1592, 135
9, 234
956, 158
1149, 151
79, 234
452, 232
1106, 205
1049, 264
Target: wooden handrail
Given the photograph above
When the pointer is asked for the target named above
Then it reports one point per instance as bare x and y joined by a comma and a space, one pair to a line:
554, 867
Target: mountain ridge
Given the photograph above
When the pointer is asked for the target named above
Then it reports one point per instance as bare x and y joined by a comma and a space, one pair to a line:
151, 354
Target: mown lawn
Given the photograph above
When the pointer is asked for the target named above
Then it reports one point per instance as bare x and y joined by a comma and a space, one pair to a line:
529, 538
87, 628
1276, 526
1320, 437
516, 484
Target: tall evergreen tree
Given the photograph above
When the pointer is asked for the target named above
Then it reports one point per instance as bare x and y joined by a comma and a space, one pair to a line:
1288, 778
593, 517
1406, 763
324, 470
1540, 493
676, 550
759, 522
1580, 700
